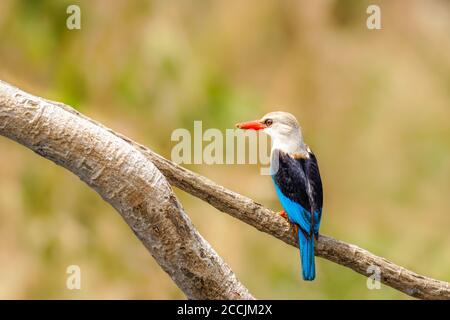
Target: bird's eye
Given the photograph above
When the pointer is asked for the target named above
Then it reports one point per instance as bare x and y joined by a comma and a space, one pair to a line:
268, 122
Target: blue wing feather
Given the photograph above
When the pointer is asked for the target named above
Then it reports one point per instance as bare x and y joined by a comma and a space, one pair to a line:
296, 213
299, 201
294, 210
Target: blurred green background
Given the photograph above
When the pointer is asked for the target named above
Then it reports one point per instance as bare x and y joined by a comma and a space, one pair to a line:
374, 106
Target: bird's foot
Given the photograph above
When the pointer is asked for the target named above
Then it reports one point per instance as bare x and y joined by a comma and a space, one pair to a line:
283, 214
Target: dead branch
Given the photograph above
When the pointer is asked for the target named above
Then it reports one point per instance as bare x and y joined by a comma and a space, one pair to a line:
36, 110
128, 181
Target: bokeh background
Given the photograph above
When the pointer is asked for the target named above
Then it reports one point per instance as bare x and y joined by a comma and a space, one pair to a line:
374, 106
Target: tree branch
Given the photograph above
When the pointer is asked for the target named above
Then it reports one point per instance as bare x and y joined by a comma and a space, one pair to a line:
265, 220
126, 179
243, 208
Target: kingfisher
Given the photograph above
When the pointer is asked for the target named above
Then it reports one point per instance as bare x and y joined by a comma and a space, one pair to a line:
296, 177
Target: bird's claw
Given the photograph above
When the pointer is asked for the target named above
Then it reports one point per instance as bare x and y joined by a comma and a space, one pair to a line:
283, 214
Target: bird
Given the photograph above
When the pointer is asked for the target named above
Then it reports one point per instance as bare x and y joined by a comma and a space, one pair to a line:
296, 177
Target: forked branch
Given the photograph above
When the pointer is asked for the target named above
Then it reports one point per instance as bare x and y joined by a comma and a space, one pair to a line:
124, 173
128, 181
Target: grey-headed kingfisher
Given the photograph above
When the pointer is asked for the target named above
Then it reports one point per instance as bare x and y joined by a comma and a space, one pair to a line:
295, 174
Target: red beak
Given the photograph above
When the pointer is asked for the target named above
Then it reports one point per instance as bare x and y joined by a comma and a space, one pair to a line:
252, 125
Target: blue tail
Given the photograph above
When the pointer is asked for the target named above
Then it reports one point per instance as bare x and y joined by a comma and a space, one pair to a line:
307, 256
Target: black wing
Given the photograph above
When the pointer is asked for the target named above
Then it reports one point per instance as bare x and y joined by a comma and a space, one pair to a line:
299, 179
313, 174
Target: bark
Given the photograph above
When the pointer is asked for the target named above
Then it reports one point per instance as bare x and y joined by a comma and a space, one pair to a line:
125, 178
25, 125
265, 220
